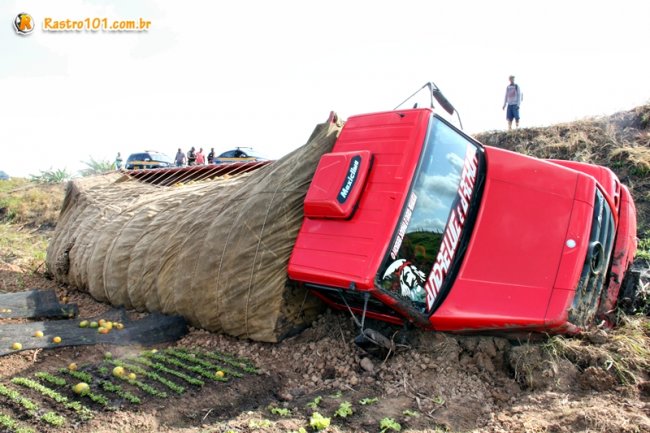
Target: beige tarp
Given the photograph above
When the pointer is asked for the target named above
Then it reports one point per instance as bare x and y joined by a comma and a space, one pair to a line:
214, 251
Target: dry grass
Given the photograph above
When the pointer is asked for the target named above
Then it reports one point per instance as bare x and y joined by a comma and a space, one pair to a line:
26, 203
624, 351
637, 156
22, 249
620, 142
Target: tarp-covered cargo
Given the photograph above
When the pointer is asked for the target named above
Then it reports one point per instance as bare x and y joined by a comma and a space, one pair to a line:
213, 251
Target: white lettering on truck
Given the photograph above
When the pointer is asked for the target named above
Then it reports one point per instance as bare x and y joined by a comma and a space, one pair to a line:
406, 219
349, 180
451, 236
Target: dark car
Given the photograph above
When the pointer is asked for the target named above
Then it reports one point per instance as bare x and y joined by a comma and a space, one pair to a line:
238, 155
148, 159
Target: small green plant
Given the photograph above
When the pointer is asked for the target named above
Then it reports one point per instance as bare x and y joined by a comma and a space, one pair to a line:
439, 400
109, 386
83, 412
53, 419
337, 394
193, 358
202, 371
389, 424
144, 387
256, 424
367, 401
241, 363
318, 422
79, 375
344, 410
280, 411
24, 402
411, 413
50, 378
12, 425
315, 402
178, 389
163, 369
97, 398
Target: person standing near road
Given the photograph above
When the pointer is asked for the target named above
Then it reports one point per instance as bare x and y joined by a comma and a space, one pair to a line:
512, 101
211, 156
200, 157
191, 156
180, 158
118, 161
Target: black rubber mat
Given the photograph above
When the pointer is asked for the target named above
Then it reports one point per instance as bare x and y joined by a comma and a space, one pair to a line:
35, 304
153, 328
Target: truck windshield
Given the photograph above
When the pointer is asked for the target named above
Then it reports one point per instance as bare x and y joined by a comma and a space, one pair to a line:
423, 252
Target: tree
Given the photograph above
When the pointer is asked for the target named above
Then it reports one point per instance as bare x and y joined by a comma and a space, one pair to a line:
96, 167
51, 176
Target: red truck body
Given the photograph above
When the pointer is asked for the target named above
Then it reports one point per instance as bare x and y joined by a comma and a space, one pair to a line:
410, 220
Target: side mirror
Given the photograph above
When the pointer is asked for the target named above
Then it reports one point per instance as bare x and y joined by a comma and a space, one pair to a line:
444, 103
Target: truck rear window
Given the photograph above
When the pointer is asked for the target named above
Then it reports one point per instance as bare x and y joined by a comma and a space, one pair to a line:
436, 212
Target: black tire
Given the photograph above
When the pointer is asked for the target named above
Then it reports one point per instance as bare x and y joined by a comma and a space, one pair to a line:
629, 299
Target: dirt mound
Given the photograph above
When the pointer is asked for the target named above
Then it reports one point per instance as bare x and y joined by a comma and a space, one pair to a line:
620, 141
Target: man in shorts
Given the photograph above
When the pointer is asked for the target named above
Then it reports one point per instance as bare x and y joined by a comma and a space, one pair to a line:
513, 99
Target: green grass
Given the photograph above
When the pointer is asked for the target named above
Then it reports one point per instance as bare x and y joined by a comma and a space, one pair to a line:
643, 249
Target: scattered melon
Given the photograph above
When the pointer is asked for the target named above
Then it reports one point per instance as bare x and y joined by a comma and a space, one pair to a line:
81, 388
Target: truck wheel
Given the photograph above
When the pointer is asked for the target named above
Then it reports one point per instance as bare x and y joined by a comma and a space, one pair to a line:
630, 299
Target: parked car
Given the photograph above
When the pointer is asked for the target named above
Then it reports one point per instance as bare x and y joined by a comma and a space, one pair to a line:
148, 159
238, 155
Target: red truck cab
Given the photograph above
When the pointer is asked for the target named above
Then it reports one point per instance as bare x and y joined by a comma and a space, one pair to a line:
409, 220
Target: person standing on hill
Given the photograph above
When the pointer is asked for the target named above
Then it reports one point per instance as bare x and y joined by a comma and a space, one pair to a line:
513, 99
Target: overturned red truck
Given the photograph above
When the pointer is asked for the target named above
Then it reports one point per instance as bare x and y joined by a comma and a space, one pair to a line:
409, 220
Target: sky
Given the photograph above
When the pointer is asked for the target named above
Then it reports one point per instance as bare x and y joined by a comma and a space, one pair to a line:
262, 74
